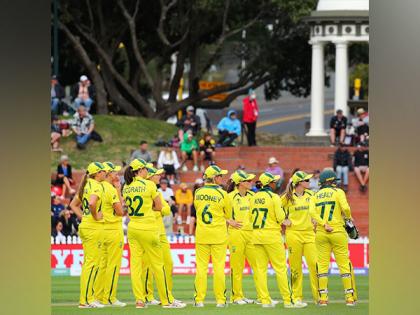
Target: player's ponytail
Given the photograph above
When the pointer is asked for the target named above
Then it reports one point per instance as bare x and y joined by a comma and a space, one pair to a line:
129, 175
289, 193
230, 186
82, 186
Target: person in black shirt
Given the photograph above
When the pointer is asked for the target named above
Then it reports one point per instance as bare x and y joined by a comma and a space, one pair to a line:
338, 126
207, 149
190, 121
361, 166
342, 165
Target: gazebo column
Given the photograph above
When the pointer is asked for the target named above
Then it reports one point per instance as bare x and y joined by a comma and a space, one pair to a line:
317, 90
341, 75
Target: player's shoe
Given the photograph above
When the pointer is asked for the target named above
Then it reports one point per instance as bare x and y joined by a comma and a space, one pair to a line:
175, 305
153, 302
322, 303
86, 306
140, 304
178, 301
299, 304
269, 305
240, 302
184, 168
118, 303
198, 304
248, 301
195, 168
97, 304
351, 303
221, 305
275, 302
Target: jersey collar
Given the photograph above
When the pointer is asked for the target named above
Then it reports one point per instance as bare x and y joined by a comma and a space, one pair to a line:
266, 188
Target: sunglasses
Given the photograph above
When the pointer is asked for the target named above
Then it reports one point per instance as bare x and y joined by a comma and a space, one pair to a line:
306, 180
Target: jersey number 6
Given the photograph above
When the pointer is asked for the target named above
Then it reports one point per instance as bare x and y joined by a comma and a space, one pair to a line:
206, 216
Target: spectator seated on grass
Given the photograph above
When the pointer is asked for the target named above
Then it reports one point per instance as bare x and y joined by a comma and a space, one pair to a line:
64, 177
189, 151
55, 134
57, 94
189, 121
168, 160
275, 169
184, 201
343, 165
361, 125
361, 166
83, 126
229, 129
142, 152
338, 125
314, 181
83, 93
207, 149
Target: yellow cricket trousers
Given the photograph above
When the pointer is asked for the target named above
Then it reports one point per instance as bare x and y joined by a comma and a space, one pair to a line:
147, 274
240, 247
146, 245
302, 243
336, 242
218, 258
91, 241
109, 268
275, 254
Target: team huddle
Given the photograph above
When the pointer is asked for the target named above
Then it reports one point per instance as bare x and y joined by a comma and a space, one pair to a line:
248, 223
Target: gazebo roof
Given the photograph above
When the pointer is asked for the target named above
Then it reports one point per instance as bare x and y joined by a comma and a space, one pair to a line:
340, 10
343, 5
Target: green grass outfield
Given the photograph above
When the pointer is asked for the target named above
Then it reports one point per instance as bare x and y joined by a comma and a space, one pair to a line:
65, 294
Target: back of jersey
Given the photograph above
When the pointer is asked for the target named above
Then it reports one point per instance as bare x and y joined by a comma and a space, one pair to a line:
212, 206
92, 187
330, 203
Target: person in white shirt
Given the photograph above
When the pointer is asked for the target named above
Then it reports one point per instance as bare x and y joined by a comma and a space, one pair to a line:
168, 160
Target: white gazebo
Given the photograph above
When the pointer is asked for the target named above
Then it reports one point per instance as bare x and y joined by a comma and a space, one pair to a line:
340, 22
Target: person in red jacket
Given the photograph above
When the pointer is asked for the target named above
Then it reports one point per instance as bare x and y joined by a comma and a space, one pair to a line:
250, 116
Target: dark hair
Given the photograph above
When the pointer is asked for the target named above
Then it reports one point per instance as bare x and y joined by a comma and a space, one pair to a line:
129, 175
230, 185
143, 142
82, 186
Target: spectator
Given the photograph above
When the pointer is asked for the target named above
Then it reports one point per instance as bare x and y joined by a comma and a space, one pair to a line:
250, 116
56, 206
314, 181
342, 165
257, 186
338, 125
191, 228
168, 160
207, 149
175, 141
69, 221
142, 152
361, 166
58, 233
83, 92
229, 129
361, 125
275, 169
184, 200
83, 126
55, 134
57, 93
189, 148
189, 121
64, 176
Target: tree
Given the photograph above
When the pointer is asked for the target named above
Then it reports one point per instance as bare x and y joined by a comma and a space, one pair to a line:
126, 47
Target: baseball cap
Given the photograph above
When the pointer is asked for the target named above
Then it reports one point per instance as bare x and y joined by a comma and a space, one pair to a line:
267, 178
83, 78
360, 111
111, 167
95, 167
137, 164
241, 176
300, 176
213, 171
151, 171
64, 158
327, 175
190, 108
272, 160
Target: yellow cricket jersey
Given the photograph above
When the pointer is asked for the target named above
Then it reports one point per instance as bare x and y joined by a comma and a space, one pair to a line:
298, 211
266, 216
329, 205
139, 196
110, 196
92, 187
240, 207
166, 210
212, 206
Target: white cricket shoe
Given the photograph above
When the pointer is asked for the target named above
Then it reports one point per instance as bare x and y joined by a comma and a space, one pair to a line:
199, 304
118, 303
153, 302
221, 305
351, 303
175, 305
248, 301
240, 302
86, 306
97, 304
300, 304
269, 305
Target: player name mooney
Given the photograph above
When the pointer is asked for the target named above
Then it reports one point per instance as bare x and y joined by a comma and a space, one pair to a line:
208, 198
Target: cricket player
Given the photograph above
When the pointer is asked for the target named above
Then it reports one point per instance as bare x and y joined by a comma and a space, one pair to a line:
330, 208
212, 206
300, 234
90, 197
105, 288
267, 216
